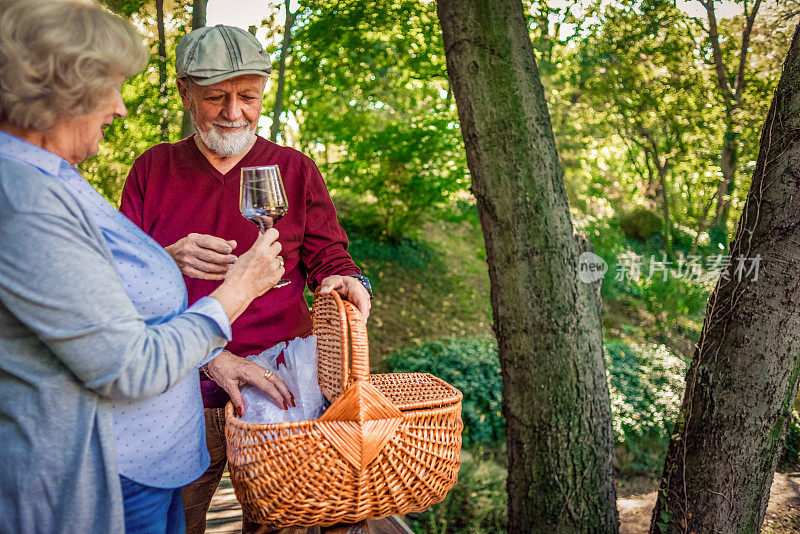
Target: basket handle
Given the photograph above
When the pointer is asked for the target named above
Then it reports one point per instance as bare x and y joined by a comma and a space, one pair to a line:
359, 344
355, 353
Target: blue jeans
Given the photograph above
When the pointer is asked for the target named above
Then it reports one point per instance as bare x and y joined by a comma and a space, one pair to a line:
150, 510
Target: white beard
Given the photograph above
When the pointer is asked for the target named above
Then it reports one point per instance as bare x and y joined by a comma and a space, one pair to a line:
224, 143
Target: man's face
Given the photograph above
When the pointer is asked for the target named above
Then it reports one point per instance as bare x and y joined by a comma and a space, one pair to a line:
225, 114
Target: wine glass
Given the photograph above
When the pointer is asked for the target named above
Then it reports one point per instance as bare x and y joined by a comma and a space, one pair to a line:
262, 199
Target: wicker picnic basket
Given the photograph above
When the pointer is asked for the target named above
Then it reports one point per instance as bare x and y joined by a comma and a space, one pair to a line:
389, 444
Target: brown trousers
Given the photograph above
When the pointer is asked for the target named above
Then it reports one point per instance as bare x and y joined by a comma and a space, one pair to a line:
197, 495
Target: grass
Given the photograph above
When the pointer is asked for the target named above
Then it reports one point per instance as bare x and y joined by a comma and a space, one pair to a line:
427, 289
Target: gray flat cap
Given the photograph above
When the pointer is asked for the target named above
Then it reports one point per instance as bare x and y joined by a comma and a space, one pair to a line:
214, 54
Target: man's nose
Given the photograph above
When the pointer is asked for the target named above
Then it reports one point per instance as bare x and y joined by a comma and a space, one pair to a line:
233, 109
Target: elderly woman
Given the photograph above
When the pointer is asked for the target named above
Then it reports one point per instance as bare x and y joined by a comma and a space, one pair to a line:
97, 347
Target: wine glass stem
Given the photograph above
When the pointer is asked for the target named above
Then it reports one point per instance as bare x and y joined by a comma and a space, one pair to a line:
283, 281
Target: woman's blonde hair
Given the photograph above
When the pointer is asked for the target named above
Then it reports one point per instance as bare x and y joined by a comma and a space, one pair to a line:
61, 59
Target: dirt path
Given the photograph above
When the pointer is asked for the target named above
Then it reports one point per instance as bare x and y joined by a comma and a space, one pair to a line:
635, 504
225, 514
783, 513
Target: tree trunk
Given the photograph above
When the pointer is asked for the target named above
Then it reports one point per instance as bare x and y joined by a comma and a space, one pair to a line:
732, 97
743, 377
667, 234
287, 42
162, 69
198, 21
547, 322
718, 232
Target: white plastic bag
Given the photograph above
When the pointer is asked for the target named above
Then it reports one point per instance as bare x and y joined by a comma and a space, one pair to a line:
300, 376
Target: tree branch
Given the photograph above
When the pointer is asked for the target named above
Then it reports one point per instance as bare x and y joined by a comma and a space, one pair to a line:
287, 43
713, 35
751, 17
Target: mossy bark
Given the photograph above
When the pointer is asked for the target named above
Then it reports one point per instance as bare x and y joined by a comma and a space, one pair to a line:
546, 320
743, 377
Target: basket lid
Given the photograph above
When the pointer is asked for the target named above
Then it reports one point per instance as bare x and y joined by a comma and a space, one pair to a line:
416, 391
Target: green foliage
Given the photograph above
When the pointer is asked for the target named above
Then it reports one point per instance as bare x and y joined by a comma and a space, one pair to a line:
640, 223
368, 83
791, 444
670, 297
472, 366
633, 91
646, 386
460, 210
405, 253
477, 504
610, 244
127, 138
674, 298
424, 289
651, 91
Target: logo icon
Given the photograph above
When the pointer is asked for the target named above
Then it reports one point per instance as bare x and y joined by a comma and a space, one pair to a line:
591, 267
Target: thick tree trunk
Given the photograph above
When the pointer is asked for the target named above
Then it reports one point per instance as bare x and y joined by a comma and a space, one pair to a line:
743, 377
198, 21
287, 42
547, 322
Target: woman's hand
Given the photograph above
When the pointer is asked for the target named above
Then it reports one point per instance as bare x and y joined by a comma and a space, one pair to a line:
254, 273
231, 372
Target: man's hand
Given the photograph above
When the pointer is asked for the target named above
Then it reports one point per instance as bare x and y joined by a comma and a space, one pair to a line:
351, 289
230, 372
203, 256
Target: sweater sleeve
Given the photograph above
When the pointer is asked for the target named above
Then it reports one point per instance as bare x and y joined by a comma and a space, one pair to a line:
132, 203
58, 280
324, 249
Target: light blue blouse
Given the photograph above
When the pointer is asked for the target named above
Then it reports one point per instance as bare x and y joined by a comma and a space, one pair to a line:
160, 440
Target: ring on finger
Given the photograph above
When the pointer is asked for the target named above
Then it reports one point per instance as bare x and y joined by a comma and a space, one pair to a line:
268, 375
280, 260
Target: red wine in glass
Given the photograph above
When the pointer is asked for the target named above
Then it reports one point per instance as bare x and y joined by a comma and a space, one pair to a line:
262, 199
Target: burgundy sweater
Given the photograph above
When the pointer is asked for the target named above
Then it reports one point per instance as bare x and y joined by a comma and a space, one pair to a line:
172, 190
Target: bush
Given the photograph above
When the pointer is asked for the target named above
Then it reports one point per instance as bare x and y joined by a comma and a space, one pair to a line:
671, 299
631, 262
473, 367
640, 223
609, 243
646, 386
791, 444
405, 253
477, 504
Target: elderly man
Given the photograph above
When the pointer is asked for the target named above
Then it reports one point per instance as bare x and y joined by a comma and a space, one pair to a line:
185, 195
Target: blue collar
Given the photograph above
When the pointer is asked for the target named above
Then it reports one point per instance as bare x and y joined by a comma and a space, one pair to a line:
13, 147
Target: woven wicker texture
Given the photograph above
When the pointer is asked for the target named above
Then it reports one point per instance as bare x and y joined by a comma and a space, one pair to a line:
333, 348
389, 444
415, 391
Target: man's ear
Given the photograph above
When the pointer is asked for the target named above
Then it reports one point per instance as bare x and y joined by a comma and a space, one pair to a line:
183, 90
